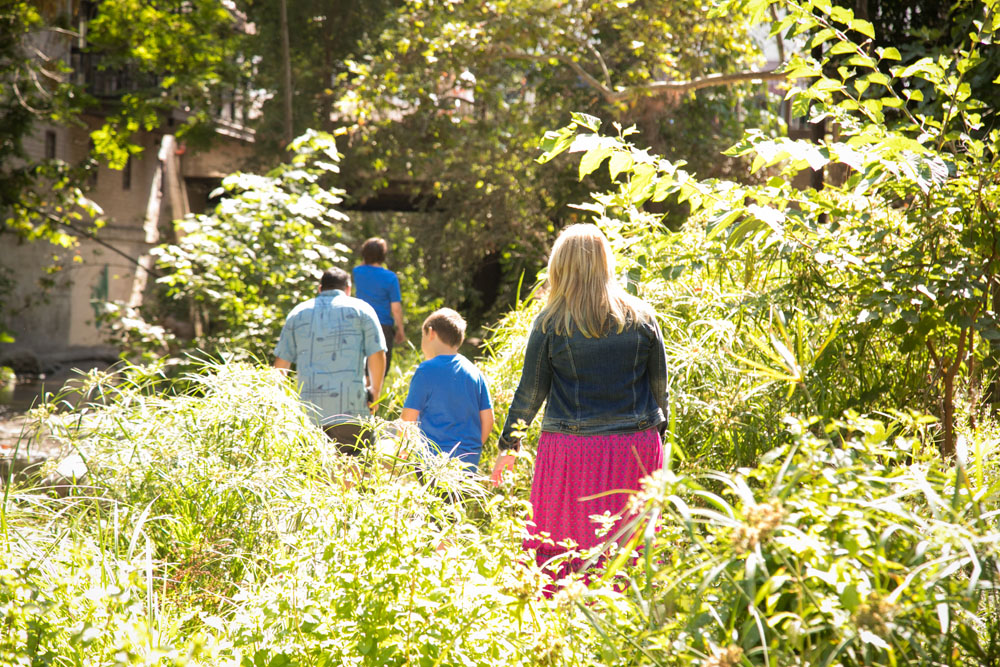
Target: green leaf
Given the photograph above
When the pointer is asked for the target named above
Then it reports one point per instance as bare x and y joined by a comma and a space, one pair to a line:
664, 187
585, 120
925, 66
822, 36
864, 27
843, 47
554, 143
743, 231
842, 15
672, 272
721, 221
862, 60
879, 78
643, 176
592, 159
620, 161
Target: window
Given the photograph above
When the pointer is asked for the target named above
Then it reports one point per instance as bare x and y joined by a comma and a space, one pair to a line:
50, 145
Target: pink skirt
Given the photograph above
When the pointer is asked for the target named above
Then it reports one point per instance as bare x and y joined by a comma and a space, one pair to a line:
570, 470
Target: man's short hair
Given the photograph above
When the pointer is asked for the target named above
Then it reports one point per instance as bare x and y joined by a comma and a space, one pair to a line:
334, 278
374, 250
448, 325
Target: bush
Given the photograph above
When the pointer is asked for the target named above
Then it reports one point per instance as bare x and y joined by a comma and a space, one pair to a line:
853, 545
207, 474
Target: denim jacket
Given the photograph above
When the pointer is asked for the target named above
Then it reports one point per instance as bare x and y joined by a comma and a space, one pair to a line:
613, 384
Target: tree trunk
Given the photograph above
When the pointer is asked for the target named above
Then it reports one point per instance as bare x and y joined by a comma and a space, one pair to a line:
326, 103
818, 131
286, 60
948, 446
991, 366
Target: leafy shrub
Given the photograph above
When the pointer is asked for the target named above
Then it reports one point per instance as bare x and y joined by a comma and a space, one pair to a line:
391, 575
245, 266
852, 545
211, 471
85, 610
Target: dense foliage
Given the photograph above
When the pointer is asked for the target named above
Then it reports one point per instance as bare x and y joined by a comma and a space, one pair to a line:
175, 56
247, 264
180, 51
446, 105
806, 515
323, 36
238, 270
850, 296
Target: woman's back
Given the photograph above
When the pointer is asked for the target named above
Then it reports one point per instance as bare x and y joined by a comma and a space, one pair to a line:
603, 380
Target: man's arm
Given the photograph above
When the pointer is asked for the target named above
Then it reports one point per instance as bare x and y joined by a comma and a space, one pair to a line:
409, 415
397, 316
486, 419
282, 365
376, 373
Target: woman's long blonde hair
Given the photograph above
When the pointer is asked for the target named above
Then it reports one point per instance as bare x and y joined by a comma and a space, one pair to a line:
583, 293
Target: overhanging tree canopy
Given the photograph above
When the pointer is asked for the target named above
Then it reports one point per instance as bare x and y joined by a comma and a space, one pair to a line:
451, 99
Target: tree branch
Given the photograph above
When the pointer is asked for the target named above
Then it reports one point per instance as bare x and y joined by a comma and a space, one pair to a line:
960, 354
590, 80
654, 89
93, 237
600, 61
930, 348
781, 40
710, 81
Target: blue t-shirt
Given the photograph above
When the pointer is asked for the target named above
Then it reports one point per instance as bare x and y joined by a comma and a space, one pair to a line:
378, 287
449, 392
328, 339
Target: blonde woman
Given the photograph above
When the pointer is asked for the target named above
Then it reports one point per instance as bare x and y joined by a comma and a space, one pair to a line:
595, 356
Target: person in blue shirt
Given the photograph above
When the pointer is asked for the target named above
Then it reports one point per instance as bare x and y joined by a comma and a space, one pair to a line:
330, 339
379, 287
448, 396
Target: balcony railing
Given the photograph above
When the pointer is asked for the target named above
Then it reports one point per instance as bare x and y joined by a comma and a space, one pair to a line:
110, 82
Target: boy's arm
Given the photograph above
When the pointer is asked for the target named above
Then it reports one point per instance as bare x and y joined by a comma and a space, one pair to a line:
486, 419
416, 397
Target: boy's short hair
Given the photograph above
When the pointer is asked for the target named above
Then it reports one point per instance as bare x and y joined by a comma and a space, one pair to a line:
334, 278
374, 250
448, 325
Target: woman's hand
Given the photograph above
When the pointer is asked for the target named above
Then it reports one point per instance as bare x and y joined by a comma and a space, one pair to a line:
504, 462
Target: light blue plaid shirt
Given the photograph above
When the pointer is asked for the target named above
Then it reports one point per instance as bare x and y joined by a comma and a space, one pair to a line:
328, 339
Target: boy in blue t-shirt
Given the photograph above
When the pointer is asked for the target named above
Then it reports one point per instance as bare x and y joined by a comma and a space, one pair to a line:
448, 395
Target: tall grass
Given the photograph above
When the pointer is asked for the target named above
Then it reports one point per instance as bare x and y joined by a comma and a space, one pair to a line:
853, 545
216, 526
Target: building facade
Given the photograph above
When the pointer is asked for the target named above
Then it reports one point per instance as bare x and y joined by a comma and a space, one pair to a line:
53, 314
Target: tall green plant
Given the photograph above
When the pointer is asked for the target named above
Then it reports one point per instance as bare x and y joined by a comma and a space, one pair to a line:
902, 257
206, 474
262, 250
852, 545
